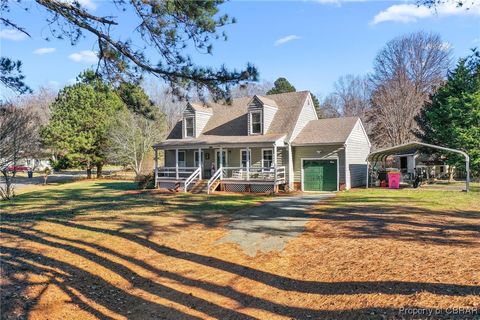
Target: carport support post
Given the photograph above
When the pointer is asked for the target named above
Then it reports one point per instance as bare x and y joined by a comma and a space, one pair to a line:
156, 167
467, 180
176, 164
368, 165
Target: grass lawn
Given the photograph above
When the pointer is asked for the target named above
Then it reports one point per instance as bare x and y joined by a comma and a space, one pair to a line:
99, 249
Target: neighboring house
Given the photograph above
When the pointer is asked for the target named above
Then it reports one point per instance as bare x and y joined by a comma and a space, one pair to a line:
262, 144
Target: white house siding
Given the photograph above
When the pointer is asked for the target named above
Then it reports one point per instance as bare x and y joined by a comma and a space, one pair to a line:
325, 152
357, 151
201, 119
268, 115
308, 113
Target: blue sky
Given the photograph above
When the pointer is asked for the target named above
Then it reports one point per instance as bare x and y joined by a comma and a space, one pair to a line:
311, 43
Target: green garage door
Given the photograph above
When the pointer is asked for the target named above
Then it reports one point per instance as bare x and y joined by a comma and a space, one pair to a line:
320, 175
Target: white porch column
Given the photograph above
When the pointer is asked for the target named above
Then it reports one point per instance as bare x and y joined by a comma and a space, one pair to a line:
200, 164
221, 162
156, 167
290, 167
248, 163
176, 163
274, 159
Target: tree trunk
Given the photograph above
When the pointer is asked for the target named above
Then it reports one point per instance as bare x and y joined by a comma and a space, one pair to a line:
99, 170
7, 190
89, 173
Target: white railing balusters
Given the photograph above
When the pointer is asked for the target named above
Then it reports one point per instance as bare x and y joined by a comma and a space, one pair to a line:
217, 175
193, 176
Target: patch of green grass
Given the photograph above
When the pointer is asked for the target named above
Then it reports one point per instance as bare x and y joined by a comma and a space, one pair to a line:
115, 198
424, 198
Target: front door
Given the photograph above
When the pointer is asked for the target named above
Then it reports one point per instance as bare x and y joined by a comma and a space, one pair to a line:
320, 175
217, 158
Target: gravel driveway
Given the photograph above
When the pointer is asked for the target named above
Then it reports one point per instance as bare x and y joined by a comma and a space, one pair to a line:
271, 225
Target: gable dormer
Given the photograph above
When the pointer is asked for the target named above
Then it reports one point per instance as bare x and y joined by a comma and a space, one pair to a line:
261, 112
195, 117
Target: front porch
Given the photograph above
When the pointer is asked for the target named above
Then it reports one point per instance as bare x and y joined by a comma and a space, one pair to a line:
240, 169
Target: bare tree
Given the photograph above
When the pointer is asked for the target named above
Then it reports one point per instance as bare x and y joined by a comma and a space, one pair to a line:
330, 106
251, 89
38, 102
168, 104
353, 93
406, 71
18, 139
132, 136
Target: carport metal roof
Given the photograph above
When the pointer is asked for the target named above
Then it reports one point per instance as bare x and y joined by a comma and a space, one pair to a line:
411, 147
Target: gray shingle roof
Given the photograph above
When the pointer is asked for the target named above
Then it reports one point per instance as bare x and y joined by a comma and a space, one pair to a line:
202, 108
326, 131
231, 120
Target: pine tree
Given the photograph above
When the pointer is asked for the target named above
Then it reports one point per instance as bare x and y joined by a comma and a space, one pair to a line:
452, 117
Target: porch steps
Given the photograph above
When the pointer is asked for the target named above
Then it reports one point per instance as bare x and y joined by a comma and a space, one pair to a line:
215, 185
200, 187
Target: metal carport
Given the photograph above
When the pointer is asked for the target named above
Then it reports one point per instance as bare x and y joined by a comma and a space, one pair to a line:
382, 154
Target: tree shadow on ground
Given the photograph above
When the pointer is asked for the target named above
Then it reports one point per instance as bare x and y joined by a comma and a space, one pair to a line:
76, 282
358, 219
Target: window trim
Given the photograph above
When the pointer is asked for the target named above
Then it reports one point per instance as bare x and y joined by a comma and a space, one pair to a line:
263, 158
184, 158
217, 158
195, 162
185, 127
251, 121
250, 158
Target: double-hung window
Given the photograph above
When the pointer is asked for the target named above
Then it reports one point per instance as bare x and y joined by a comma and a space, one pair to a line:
182, 162
267, 158
196, 160
255, 122
189, 127
243, 157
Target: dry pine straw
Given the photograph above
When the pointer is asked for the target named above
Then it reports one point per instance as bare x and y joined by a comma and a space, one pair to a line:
352, 261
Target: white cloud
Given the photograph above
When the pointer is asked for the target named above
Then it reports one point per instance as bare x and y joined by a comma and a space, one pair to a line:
86, 56
44, 50
411, 12
286, 39
86, 4
12, 34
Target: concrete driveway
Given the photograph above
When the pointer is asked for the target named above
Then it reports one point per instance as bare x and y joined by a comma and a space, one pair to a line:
271, 225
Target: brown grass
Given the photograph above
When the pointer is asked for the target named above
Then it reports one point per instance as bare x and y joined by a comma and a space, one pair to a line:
93, 250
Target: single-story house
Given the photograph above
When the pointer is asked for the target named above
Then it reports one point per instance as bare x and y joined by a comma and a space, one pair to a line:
262, 144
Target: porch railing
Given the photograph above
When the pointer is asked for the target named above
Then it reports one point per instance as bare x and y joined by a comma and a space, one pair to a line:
176, 172
216, 176
271, 174
193, 177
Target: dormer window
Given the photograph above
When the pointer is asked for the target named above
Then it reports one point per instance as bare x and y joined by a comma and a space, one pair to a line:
189, 127
256, 122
